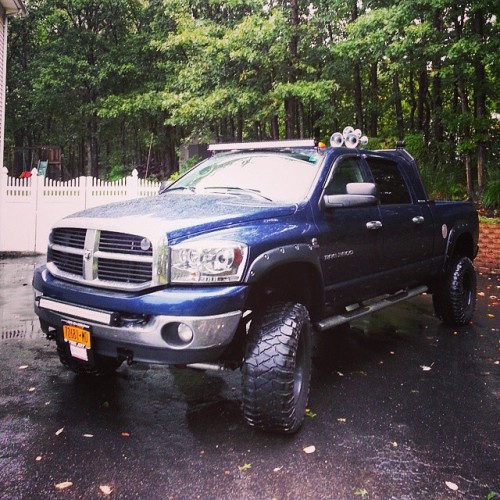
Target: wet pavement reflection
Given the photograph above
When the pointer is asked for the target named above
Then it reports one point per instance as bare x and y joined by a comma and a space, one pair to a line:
400, 407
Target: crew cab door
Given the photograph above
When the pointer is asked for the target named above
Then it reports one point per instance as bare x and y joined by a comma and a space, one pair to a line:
407, 226
348, 248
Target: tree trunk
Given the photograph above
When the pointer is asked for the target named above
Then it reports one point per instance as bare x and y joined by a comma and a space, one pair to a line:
374, 112
480, 112
398, 106
290, 117
291, 102
422, 124
240, 126
413, 101
464, 100
358, 95
275, 129
468, 173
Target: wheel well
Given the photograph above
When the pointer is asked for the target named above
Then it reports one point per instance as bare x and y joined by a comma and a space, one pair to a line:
464, 246
296, 282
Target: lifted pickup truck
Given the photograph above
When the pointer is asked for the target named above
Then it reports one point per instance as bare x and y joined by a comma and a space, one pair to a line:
238, 262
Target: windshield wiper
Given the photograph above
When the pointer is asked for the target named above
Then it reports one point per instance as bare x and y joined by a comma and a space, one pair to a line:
179, 188
253, 192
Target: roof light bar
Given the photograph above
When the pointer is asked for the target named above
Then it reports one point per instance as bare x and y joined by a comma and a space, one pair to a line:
303, 143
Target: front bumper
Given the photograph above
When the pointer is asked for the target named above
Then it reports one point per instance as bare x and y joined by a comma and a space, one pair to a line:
144, 326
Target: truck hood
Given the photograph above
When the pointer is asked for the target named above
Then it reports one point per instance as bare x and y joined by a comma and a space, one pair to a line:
176, 215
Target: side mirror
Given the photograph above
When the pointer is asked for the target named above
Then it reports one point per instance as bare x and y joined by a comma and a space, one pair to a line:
359, 194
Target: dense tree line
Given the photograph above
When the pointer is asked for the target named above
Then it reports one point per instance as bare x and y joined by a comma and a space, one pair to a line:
127, 82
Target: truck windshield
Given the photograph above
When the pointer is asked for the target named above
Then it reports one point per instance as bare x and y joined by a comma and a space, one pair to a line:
277, 177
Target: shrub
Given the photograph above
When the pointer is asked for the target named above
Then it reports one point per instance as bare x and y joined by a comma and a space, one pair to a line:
491, 194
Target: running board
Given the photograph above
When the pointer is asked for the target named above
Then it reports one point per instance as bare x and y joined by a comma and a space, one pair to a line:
369, 307
207, 366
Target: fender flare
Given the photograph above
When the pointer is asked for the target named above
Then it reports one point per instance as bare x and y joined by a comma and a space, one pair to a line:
285, 254
459, 229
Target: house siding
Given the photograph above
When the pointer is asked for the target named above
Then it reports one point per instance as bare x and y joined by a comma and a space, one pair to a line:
3, 63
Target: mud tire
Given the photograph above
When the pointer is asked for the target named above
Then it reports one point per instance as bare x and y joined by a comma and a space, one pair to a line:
454, 296
277, 368
103, 366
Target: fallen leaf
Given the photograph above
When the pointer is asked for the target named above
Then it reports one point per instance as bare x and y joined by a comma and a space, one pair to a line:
310, 449
277, 469
451, 485
23, 367
60, 431
244, 467
361, 492
64, 485
481, 294
31, 389
394, 444
342, 420
426, 368
340, 374
38, 458
126, 434
107, 490
310, 413
491, 315
88, 435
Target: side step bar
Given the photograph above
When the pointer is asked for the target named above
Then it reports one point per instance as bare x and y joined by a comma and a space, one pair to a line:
369, 307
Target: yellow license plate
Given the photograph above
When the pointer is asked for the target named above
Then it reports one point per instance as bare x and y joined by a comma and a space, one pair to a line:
77, 334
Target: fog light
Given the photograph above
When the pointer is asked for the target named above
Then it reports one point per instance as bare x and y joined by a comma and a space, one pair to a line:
185, 333
177, 335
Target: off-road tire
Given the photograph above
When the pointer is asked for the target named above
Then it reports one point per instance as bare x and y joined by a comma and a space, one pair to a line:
277, 368
103, 366
454, 295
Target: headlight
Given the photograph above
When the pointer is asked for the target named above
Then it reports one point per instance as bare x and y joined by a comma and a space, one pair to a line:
208, 262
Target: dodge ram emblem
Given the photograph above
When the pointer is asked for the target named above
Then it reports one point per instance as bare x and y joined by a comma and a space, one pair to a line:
87, 254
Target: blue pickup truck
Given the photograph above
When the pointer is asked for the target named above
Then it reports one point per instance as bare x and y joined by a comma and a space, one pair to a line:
244, 257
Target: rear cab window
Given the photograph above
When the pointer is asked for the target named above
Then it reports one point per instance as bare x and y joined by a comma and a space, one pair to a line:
392, 186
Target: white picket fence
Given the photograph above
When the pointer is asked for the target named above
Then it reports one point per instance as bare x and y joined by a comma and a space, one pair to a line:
29, 207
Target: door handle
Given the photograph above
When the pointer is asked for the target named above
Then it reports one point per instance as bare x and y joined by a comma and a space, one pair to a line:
418, 220
373, 225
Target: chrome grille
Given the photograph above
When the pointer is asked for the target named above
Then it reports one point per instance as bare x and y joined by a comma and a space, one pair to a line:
110, 241
69, 237
67, 262
124, 272
102, 258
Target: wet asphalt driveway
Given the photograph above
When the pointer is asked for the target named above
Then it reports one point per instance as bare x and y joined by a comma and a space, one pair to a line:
400, 407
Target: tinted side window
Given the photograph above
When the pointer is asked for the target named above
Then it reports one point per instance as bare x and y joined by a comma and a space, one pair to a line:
390, 182
346, 171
